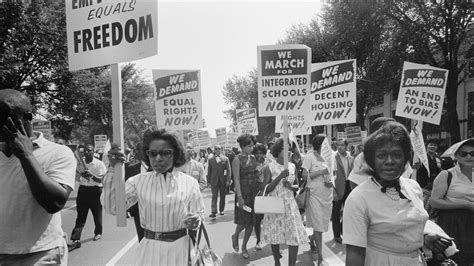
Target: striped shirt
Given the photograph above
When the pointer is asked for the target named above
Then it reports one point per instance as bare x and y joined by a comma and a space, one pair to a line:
163, 203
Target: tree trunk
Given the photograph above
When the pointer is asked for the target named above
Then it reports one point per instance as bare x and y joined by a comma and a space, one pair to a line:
451, 94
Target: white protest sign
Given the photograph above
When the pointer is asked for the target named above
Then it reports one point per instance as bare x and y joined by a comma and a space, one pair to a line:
298, 124
232, 139
177, 97
204, 140
328, 155
43, 126
221, 136
99, 142
353, 135
193, 138
107, 32
341, 135
247, 121
333, 92
421, 93
284, 73
419, 148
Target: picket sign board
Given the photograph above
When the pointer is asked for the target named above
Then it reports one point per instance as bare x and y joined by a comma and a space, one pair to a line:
298, 124
284, 73
341, 135
177, 97
232, 139
107, 32
418, 145
221, 136
193, 139
43, 126
353, 135
333, 92
421, 93
247, 121
99, 142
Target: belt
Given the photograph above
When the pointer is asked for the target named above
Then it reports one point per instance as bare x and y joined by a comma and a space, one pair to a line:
165, 236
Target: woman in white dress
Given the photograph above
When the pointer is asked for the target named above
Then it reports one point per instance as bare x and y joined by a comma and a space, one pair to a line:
318, 213
169, 201
384, 217
287, 228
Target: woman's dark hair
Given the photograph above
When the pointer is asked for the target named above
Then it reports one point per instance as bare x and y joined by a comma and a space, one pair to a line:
390, 132
155, 133
246, 139
317, 141
277, 147
259, 147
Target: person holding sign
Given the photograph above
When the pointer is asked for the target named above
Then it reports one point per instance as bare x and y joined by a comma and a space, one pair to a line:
384, 217
169, 201
287, 228
245, 174
318, 213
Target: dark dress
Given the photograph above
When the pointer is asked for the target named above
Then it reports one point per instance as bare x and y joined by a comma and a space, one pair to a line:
249, 188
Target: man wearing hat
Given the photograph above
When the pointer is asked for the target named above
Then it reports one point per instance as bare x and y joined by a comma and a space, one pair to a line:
218, 174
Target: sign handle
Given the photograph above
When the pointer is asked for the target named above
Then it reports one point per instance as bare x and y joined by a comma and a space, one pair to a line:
285, 141
117, 115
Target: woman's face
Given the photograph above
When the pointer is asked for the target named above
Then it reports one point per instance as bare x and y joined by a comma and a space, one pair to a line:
464, 156
248, 149
161, 156
389, 161
260, 156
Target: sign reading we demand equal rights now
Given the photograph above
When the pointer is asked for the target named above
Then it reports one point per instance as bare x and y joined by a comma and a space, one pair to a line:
421, 93
283, 79
333, 93
101, 32
247, 121
177, 97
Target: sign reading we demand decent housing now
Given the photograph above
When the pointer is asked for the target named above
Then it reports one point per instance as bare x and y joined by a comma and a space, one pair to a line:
101, 32
333, 92
284, 73
421, 93
178, 99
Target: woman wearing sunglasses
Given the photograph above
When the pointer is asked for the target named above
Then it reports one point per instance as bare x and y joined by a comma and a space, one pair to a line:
169, 201
455, 202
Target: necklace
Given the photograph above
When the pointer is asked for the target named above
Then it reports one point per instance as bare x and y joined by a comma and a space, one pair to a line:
392, 193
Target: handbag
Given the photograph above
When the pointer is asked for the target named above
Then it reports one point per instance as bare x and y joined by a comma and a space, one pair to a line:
269, 204
302, 196
200, 256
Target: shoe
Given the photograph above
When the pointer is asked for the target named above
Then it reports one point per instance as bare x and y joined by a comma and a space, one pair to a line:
73, 244
338, 240
235, 243
245, 254
221, 213
212, 216
97, 237
258, 246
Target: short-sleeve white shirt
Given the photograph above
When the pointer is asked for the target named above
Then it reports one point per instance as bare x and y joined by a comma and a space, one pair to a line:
98, 169
25, 226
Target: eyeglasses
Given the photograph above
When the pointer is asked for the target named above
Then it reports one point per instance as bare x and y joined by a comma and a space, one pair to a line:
465, 153
163, 153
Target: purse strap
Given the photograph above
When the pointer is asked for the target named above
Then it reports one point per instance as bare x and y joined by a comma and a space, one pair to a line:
202, 229
265, 189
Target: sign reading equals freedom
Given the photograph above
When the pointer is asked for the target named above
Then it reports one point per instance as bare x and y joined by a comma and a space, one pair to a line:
284, 76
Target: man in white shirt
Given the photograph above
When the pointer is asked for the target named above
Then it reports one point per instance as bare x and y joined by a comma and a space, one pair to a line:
37, 178
88, 197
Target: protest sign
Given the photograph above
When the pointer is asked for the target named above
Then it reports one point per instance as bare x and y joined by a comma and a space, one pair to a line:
177, 97
203, 139
341, 135
99, 142
44, 127
421, 93
221, 136
107, 32
232, 139
354, 135
333, 92
247, 121
298, 124
419, 148
193, 138
284, 73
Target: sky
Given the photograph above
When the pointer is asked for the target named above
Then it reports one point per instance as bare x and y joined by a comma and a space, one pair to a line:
220, 39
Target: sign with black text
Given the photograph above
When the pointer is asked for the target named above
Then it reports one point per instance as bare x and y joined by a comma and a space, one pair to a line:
247, 121
298, 124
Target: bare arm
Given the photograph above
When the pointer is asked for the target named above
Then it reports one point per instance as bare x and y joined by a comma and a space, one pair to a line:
355, 256
438, 200
236, 173
267, 179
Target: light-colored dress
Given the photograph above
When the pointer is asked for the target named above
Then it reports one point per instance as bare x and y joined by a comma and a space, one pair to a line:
390, 230
284, 228
163, 205
318, 213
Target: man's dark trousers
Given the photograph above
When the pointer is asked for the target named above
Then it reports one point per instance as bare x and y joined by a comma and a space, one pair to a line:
336, 216
87, 198
221, 189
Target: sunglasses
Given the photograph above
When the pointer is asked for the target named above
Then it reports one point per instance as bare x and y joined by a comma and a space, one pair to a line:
163, 153
465, 153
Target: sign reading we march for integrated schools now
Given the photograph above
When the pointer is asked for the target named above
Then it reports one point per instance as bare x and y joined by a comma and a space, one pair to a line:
283, 79
247, 121
421, 93
333, 93
177, 97
101, 32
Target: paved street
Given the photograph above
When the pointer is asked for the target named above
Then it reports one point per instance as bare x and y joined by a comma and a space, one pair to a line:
118, 245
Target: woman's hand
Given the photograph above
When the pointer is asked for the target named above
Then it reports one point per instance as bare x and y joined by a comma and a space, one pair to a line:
192, 221
437, 243
240, 201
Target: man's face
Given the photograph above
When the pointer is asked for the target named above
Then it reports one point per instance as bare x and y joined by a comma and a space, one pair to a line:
189, 152
217, 151
89, 152
341, 147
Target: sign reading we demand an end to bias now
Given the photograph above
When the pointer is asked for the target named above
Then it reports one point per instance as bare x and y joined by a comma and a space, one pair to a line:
178, 99
101, 32
283, 79
421, 93
247, 121
333, 92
